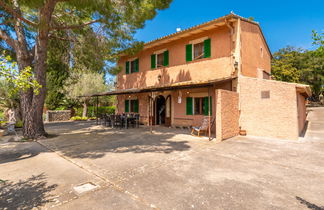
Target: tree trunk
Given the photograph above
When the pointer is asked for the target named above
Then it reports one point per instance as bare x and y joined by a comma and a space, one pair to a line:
32, 105
85, 109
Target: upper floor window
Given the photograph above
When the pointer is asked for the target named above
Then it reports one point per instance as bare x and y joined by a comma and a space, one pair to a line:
132, 66
160, 59
198, 49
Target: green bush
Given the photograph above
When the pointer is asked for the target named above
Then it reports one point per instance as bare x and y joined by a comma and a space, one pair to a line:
78, 118
1, 115
92, 110
19, 124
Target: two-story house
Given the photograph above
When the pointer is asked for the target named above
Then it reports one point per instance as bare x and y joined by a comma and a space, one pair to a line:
219, 68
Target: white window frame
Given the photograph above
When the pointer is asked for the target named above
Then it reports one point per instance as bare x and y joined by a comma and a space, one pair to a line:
197, 41
130, 64
156, 53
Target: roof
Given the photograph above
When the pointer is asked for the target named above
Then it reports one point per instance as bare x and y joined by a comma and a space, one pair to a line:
174, 86
199, 28
304, 90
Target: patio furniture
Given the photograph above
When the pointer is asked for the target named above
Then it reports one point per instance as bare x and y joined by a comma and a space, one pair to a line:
108, 120
118, 121
204, 126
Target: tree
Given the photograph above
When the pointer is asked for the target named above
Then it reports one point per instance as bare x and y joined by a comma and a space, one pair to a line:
301, 66
58, 68
11, 81
286, 64
82, 84
26, 27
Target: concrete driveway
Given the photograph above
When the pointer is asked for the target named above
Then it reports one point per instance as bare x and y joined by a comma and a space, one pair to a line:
169, 169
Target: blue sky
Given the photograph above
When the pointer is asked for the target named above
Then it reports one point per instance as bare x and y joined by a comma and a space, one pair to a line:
283, 22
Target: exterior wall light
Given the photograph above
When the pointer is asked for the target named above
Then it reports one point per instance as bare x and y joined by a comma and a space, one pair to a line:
236, 65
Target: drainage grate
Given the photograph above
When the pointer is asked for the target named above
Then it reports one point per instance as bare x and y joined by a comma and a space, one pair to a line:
85, 187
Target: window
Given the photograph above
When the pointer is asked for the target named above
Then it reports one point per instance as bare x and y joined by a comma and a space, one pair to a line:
198, 50
132, 66
134, 106
160, 59
198, 105
131, 105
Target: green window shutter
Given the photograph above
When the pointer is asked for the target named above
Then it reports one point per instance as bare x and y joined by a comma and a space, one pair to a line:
153, 60
189, 52
166, 58
127, 67
207, 49
189, 106
137, 65
206, 106
126, 105
136, 106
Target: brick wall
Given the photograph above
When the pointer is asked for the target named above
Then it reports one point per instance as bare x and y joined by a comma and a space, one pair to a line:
227, 116
268, 108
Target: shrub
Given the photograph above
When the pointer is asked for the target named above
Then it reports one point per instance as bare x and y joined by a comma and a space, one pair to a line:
19, 124
78, 118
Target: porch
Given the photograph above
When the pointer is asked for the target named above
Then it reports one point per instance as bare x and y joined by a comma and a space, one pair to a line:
184, 105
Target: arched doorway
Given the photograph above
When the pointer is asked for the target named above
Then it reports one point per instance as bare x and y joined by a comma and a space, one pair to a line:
159, 111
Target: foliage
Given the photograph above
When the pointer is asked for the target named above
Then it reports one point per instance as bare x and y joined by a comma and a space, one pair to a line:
78, 118
9, 98
84, 84
26, 27
286, 64
22, 80
92, 110
57, 72
19, 124
301, 66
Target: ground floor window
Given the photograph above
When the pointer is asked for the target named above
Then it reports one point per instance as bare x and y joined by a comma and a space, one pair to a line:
131, 105
198, 105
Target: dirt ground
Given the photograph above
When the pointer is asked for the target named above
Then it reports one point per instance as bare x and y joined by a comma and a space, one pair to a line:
169, 169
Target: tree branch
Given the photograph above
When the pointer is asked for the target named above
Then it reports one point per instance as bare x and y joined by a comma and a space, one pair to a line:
10, 41
15, 14
62, 38
74, 26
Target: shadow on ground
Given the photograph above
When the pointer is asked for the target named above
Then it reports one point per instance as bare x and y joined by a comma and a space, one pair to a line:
25, 194
97, 143
309, 205
14, 155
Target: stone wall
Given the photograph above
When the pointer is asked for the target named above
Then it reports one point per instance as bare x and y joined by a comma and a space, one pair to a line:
58, 115
227, 116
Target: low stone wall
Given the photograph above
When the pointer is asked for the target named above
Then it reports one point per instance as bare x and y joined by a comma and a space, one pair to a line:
58, 115
227, 116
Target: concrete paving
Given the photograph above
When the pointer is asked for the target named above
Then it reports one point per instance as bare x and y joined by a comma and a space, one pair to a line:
168, 169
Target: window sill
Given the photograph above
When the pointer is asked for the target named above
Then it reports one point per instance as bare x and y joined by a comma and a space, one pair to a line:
158, 68
198, 60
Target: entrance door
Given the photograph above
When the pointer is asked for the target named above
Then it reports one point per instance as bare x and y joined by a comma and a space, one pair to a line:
168, 111
159, 110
